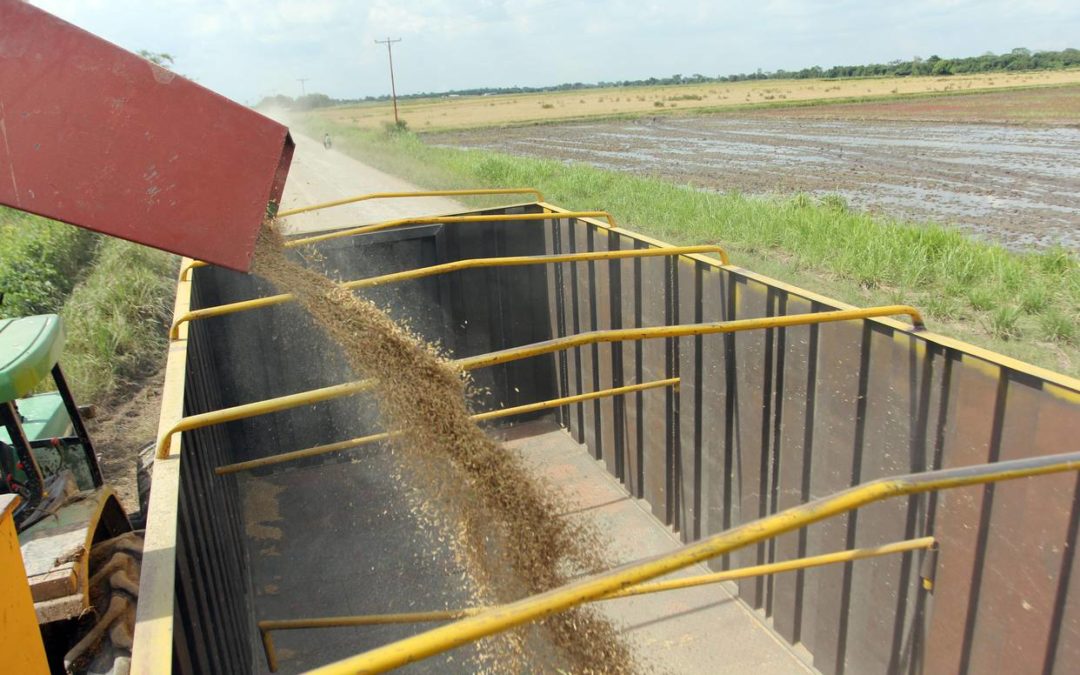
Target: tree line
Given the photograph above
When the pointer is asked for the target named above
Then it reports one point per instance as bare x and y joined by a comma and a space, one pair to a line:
1015, 60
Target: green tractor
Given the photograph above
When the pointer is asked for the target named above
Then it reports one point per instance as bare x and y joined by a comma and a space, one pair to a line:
80, 552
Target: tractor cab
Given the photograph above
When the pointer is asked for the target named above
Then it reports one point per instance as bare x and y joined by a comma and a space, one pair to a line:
45, 451
70, 526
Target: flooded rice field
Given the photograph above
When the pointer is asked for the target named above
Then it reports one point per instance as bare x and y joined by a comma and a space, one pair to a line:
1016, 185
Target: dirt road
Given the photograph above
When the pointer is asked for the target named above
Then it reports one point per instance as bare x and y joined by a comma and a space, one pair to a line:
1016, 185
319, 175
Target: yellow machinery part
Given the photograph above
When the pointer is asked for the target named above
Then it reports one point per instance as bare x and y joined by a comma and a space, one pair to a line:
20, 637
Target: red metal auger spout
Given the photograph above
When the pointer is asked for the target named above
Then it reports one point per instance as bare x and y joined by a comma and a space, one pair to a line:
100, 138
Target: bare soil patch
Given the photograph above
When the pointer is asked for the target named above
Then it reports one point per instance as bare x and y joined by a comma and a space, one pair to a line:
1051, 106
1012, 184
120, 430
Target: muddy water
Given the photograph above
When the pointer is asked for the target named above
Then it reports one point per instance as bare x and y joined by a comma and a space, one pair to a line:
1016, 185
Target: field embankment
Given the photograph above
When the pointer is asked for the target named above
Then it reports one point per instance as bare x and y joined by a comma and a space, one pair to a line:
114, 296
117, 320
40, 262
1023, 305
463, 112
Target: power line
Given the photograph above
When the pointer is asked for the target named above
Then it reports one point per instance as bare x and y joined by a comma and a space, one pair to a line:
302, 80
393, 89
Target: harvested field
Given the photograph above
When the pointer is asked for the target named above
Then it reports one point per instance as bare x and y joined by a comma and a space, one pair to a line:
1052, 106
1016, 185
461, 112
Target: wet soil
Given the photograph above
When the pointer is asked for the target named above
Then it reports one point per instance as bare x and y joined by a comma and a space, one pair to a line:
1019, 186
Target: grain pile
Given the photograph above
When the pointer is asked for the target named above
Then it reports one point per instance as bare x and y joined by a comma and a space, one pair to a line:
509, 521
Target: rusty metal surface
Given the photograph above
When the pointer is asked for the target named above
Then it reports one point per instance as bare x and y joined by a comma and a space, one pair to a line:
779, 417
763, 422
632, 419
97, 137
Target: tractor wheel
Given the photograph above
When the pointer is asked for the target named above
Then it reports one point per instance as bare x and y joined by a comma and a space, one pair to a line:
105, 647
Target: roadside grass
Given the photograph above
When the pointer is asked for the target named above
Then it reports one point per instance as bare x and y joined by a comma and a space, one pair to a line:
40, 262
114, 297
116, 320
1023, 305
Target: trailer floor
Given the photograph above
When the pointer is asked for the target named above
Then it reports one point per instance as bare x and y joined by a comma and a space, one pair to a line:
342, 539
338, 539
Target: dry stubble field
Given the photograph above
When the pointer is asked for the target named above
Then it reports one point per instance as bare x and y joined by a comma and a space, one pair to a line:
440, 114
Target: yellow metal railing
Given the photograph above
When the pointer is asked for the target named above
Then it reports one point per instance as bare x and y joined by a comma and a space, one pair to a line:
424, 220
445, 268
436, 220
257, 408
267, 626
410, 195
537, 349
498, 619
479, 417
685, 330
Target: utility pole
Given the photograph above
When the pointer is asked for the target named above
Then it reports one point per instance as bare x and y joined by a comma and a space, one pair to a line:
302, 80
393, 89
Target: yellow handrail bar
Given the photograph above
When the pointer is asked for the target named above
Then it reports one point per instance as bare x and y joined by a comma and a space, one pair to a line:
684, 330
435, 220
479, 417
444, 268
498, 619
425, 220
419, 193
256, 408
537, 349
266, 626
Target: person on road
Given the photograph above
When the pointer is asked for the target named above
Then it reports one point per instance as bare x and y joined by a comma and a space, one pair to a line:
326, 141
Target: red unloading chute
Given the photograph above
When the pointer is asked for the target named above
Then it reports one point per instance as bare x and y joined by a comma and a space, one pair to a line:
98, 137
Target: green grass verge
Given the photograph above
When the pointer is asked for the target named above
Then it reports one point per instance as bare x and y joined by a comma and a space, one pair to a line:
115, 298
116, 320
1023, 305
40, 262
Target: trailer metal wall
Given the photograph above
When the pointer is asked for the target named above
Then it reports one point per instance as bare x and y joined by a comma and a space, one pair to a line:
279, 350
769, 419
762, 421
213, 633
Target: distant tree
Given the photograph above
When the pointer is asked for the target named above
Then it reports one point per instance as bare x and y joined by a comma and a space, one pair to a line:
941, 67
1016, 59
163, 59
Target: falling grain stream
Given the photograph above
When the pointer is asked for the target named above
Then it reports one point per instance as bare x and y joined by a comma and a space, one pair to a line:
510, 535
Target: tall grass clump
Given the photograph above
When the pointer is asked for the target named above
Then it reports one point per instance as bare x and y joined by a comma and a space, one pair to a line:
41, 260
116, 320
1003, 295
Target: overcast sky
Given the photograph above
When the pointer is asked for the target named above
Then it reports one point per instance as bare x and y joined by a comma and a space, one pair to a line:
247, 49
